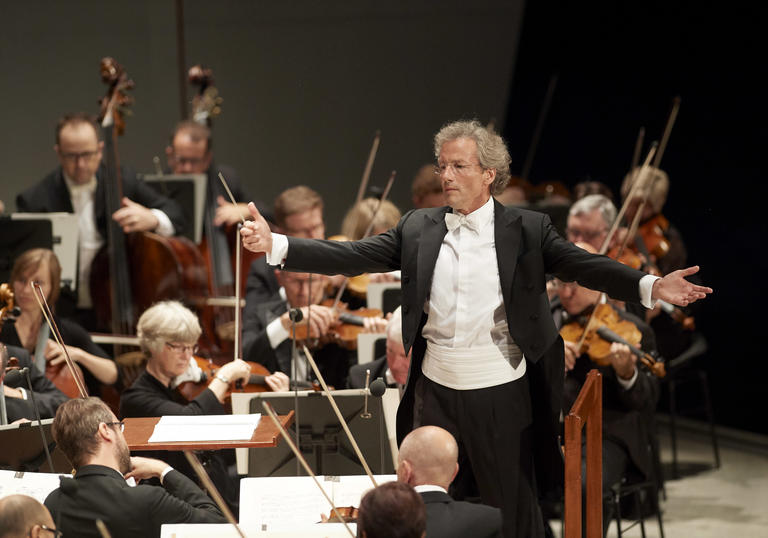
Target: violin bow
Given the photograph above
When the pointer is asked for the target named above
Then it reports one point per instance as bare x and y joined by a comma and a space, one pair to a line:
238, 292
271, 412
638, 148
339, 415
368, 167
667, 130
37, 291
208, 484
367, 233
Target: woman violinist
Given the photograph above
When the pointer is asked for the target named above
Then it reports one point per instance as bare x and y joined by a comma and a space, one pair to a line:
168, 334
32, 333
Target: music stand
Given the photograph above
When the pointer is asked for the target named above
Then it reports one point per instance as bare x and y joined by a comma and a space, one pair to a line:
187, 190
19, 236
323, 442
23, 448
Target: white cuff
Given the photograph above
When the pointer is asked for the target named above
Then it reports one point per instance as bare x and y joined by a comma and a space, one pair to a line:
627, 384
164, 224
24, 395
165, 472
276, 333
646, 289
279, 250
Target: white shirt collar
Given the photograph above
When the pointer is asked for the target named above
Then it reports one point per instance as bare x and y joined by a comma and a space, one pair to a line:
76, 188
481, 216
429, 487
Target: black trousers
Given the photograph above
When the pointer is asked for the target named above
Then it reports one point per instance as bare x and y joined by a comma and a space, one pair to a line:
492, 427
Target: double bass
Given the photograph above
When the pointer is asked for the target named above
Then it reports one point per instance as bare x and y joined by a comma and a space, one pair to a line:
137, 269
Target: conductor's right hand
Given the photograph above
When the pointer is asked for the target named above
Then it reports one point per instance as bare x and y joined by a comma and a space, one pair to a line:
257, 237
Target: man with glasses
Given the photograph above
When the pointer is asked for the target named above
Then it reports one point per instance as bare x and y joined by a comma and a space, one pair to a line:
22, 516
589, 220
487, 361
77, 186
92, 439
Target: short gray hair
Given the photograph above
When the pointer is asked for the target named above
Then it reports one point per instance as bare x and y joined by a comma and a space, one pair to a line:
167, 321
491, 150
595, 201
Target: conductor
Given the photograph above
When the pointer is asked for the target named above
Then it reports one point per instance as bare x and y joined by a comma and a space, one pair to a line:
487, 361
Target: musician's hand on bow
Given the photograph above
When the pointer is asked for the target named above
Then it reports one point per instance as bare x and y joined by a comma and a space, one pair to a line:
133, 217
571, 354
229, 213
257, 237
674, 288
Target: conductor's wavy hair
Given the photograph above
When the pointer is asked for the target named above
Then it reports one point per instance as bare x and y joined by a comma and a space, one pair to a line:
167, 321
492, 152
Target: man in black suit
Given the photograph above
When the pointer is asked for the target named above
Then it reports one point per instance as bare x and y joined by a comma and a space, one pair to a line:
428, 461
393, 367
18, 400
474, 306
77, 186
91, 437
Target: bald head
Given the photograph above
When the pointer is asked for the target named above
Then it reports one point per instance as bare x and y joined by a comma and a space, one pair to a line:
428, 455
21, 515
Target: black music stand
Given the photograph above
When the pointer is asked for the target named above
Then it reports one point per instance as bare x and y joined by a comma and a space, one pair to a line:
323, 442
22, 449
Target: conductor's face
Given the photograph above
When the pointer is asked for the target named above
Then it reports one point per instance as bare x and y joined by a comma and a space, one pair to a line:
466, 184
79, 151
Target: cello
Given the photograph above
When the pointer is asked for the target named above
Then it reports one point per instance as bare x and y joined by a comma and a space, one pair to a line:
137, 269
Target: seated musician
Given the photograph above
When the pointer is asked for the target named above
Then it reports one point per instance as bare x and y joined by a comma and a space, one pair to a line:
77, 186
267, 329
393, 367
31, 331
19, 400
428, 461
22, 516
590, 219
92, 438
392, 509
656, 186
630, 394
168, 334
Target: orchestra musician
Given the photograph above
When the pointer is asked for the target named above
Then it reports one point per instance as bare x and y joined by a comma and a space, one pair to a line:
23, 516
31, 331
590, 219
629, 393
168, 333
20, 404
483, 341
77, 186
392, 509
428, 461
92, 439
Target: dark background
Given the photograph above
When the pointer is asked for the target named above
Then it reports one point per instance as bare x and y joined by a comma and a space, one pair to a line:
306, 85
619, 67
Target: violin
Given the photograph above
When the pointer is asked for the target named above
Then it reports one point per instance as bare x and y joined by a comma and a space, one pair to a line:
342, 514
343, 333
653, 232
604, 328
192, 389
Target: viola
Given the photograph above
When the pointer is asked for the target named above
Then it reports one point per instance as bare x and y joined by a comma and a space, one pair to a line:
191, 389
604, 328
653, 231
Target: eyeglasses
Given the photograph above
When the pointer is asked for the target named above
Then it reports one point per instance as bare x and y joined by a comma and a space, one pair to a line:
188, 161
121, 423
460, 169
56, 532
586, 235
182, 348
74, 157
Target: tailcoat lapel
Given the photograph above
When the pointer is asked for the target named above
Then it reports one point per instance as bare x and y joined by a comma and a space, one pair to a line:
432, 235
507, 235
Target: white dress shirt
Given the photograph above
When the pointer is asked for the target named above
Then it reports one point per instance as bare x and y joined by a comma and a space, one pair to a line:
82, 198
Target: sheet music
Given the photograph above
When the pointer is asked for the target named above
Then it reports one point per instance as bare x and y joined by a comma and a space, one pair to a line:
277, 503
37, 485
205, 428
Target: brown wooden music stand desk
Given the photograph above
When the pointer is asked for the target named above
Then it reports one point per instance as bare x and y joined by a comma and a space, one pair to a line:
139, 430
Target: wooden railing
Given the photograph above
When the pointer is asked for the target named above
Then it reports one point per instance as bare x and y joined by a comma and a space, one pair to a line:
588, 409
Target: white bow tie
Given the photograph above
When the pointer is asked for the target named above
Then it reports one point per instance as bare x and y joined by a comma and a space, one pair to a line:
454, 220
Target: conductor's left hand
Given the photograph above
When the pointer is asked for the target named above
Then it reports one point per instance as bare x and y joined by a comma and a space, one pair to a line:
257, 237
674, 288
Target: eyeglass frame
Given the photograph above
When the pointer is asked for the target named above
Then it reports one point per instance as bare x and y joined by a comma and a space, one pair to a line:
74, 157
56, 532
181, 348
120, 422
460, 169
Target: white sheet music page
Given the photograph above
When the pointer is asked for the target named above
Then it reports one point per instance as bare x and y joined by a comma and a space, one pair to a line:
277, 503
37, 485
205, 428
